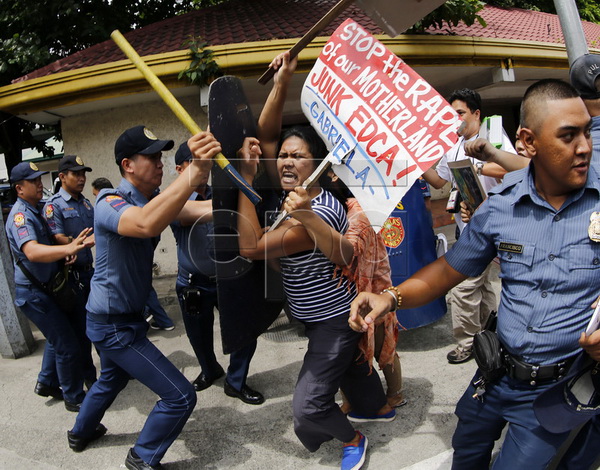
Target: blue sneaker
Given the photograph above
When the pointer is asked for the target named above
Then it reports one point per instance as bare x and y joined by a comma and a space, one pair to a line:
386, 418
354, 456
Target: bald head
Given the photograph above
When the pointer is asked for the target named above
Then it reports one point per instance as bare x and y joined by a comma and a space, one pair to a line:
534, 107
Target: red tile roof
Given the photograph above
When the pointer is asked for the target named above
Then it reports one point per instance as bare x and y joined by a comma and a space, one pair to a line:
239, 21
521, 25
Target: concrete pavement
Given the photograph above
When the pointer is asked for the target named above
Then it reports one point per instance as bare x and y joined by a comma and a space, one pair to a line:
224, 433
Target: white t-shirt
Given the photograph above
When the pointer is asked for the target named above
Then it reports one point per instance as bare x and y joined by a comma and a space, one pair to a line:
457, 153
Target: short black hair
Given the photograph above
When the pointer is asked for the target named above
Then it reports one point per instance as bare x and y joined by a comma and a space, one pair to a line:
315, 144
102, 183
547, 89
470, 97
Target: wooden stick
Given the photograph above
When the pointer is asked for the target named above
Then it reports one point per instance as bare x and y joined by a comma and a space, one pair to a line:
308, 37
181, 113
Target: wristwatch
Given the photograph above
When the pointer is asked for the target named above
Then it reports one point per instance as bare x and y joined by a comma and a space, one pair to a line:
479, 166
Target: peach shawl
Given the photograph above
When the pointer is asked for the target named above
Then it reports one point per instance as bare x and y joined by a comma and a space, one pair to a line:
370, 271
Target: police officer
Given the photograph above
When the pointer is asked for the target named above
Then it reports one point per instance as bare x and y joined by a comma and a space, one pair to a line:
36, 262
68, 212
197, 293
154, 313
542, 223
128, 222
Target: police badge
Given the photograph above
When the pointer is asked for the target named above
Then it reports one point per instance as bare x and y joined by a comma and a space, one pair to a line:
594, 228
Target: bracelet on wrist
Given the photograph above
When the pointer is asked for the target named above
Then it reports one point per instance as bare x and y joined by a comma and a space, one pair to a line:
395, 293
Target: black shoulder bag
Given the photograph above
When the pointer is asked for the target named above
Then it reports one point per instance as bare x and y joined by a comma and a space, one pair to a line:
58, 287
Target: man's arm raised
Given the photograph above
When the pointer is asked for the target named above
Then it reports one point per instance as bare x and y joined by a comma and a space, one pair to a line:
426, 285
481, 149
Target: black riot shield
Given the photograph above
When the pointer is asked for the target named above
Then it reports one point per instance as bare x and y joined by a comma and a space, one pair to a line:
250, 293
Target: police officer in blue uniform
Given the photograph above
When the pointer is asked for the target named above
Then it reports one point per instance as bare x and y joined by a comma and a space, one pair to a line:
197, 293
128, 222
35, 254
68, 212
544, 224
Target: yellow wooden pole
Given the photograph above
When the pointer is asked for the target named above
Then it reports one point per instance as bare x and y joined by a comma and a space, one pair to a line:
180, 112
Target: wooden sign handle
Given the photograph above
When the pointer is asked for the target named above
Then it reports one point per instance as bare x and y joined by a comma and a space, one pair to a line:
308, 37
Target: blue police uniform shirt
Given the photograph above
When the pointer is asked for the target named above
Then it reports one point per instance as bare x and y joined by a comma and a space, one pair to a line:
550, 268
25, 223
195, 256
70, 216
123, 275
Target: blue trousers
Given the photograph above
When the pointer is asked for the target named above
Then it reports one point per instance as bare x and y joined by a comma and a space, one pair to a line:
330, 364
199, 329
126, 351
527, 444
61, 364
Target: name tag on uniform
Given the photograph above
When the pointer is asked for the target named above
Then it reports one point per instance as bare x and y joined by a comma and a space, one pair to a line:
510, 247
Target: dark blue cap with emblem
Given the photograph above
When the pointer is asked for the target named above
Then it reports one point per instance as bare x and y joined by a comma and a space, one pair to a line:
72, 163
139, 140
25, 171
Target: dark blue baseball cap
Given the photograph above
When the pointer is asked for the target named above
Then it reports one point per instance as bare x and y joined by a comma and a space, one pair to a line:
139, 140
25, 171
72, 163
585, 71
183, 154
573, 400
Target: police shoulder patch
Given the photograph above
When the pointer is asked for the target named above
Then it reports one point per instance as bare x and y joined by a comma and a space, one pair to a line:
116, 202
49, 211
19, 219
22, 232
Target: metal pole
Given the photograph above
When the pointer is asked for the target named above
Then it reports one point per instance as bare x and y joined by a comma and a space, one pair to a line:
570, 23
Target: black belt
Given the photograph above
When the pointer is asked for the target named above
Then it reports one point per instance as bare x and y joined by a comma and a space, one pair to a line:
83, 267
201, 279
116, 318
535, 374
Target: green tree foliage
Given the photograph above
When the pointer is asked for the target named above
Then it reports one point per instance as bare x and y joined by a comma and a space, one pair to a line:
35, 33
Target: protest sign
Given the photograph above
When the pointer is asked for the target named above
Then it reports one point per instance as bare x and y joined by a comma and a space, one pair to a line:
359, 92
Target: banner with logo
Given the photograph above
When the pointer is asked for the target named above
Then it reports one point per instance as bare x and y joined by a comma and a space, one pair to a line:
359, 92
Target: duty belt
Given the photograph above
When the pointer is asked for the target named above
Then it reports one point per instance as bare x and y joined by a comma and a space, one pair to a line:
535, 374
83, 267
195, 279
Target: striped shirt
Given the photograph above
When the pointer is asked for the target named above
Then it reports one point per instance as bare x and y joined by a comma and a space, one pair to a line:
550, 268
313, 293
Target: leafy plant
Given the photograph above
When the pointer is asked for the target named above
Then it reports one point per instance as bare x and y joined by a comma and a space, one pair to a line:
202, 69
452, 12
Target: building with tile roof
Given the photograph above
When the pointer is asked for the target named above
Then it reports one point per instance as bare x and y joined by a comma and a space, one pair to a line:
96, 93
